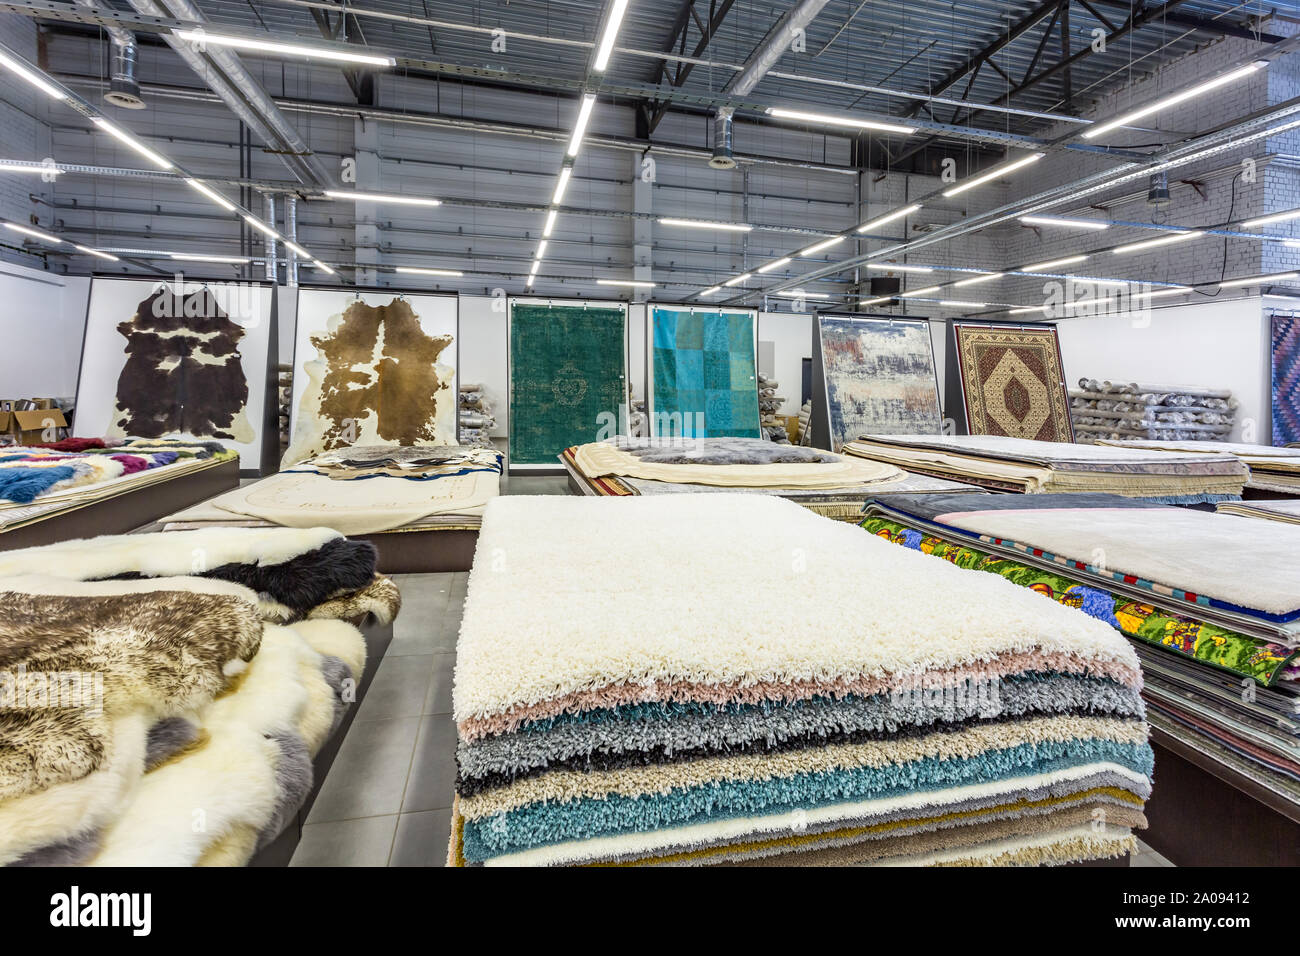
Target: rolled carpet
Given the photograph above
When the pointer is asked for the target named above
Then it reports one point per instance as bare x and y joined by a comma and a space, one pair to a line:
697, 721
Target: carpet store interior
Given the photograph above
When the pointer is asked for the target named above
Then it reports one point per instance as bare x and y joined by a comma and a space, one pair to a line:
753, 433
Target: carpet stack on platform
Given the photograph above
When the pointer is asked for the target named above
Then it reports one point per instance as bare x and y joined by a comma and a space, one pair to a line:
162, 696
476, 419
769, 403
946, 718
1209, 602
1271, 469
1102, 409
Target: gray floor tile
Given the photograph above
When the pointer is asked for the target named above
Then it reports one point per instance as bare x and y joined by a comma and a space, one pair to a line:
368, 777
364, 842
438, 700
422, 839
433, 770
400, 688
424, 598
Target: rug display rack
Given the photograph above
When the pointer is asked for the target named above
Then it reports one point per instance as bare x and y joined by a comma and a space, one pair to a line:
699, 722
200, 675
1025, 466
1116, 410
1219, 662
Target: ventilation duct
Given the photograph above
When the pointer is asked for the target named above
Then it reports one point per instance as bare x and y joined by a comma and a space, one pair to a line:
1158, 190
123, 89
722, 158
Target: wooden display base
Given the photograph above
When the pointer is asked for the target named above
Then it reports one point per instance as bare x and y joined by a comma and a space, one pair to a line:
280, 850
422, 552
126, 511
1203, 813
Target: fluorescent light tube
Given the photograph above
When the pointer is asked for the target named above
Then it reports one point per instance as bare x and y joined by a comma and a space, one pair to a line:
260, 226
15, 168
1064, 221
881, 301
897, 267
1024, 311
123, 136
634, 283
297, 250
928, 289
43, 236
984, 278
994, 173
322, 266
889, 217
95, 252
775, 264
528, 283
419, 271
1153, 243
580, 127
537, 264
550, 223
616, 11
959, 304
796, 294
812, 250
541, 248
32, 77
1053, 263
561, 184
712, 291
199, 257
1259, 280
212, 194
356, 196
203, 37
702, 224
739, 279
1174, 99
839, 121
1275, 217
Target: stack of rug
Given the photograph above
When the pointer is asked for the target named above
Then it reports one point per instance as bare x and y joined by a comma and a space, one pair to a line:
769, 403
162, 696
29, 473
1210, 602
1036, 467
1115, 410
1285, 509
476, 418
831, 485
1271, 469
951, 718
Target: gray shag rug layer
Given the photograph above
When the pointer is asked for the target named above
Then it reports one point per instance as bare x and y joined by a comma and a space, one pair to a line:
720, 451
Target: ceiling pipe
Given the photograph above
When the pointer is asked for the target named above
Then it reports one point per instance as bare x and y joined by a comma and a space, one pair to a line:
123, 89
225, 73
765, 56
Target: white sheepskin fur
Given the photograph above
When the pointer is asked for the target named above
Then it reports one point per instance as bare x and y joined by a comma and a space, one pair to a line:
65, 810
204, 806
698, 597
164, 553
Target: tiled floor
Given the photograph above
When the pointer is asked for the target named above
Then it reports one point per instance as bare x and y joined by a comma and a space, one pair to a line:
387, 798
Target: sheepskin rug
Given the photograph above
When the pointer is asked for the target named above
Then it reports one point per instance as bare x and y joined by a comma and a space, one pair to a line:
676, 714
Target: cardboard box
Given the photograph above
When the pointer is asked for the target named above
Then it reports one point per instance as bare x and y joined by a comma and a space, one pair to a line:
29, 427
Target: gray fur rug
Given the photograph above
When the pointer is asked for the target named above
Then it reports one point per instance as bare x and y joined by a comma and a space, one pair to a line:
720, 451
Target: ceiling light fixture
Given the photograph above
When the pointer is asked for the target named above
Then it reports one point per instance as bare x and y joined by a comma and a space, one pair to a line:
541, 248
1269, 220
775, 264
34, 168
796, 294
537, 264
984, 278
297, 250
1258, 280
839, 121
704, 224
43, 236
994, 173
322, 267
1027, 310
826, 244
204, 38
1174, 99
561, 184
889, 217
1053, 263
616, 11
633, 283
356, 196
212, 194
95, 252
715, 289
959, 304
928, 289
897, 267
1153, 243
528, 283
580, 127
1064, 221
550, 223
199, 257
739, 279
880, 301
31, 77
420, 271
260, 226
124, 137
